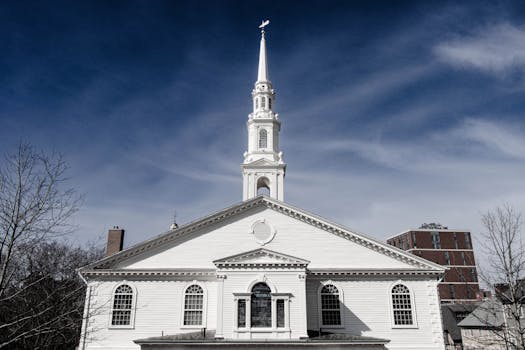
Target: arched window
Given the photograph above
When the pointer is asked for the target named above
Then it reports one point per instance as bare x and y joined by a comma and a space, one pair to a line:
263, 186
122, 306
263, 102
263, 138
261, 306
402, 306
193, 305
256, 103
269, 103
330, 308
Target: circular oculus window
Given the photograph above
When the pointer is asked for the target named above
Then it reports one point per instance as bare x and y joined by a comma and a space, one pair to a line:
262, 232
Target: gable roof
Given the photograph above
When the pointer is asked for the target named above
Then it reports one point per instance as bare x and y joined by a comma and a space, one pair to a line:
263, 201
261, 258
487, 315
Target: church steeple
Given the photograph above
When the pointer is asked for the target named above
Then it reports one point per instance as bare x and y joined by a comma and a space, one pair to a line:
263, 167
262, 75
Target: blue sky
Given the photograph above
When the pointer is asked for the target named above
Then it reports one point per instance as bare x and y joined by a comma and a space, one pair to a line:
393, 113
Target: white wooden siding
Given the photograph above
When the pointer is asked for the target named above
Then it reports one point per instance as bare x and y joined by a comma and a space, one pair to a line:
293, 237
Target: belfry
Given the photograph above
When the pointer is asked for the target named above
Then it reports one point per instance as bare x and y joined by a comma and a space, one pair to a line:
263, 166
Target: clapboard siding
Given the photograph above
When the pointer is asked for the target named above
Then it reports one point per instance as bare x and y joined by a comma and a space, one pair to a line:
293, 237
158, 311
366, 299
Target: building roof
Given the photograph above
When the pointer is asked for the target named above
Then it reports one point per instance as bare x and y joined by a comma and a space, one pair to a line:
489, 314
182, 232
425, 230
450, 323
208, 338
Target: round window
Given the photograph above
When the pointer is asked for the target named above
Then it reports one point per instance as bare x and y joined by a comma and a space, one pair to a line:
262, 232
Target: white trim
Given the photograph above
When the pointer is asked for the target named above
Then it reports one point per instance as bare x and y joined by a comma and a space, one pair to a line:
133, 306
412, 306
341, 306
272, 230
261, 278
246, 296
204, 306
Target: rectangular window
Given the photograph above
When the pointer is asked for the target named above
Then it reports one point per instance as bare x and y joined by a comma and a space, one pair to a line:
414, 239
470, 293
455, 241
436, 242
451, 291
280, 313
467, 241
463, 258
447, 258
473, 276
461, 276
241, 313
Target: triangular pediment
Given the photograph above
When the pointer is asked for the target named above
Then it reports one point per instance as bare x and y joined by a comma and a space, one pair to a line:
260, 258
263, 162
198, 229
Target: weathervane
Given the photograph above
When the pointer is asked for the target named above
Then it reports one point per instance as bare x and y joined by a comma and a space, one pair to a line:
264, 24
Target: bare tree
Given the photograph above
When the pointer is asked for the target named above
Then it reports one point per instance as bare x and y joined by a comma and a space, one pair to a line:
36, 284
504, 270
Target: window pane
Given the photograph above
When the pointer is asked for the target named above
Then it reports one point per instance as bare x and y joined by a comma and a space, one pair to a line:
280, 313
332, 318
241, 313
401, 305
331, 315
193, 305
261, 306
192, 318
122, 304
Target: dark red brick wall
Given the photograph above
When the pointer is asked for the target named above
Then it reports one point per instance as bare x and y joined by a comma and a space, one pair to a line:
115, 241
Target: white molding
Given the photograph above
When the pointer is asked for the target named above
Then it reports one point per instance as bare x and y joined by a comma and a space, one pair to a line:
412, 306
272, 230
371, 272
282, 261
133, 306
152, 272
204, 305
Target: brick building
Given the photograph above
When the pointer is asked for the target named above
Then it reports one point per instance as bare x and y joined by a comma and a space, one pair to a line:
451, 248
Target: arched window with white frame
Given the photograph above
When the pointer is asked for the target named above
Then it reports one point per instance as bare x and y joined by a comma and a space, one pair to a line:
402, 310
330, 306
122, 310
193, 305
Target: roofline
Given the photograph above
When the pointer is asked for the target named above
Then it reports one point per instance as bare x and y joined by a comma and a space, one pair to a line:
425, 230
310, 218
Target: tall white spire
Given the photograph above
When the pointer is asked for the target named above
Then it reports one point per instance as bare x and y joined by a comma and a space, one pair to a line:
263, 168
263, 65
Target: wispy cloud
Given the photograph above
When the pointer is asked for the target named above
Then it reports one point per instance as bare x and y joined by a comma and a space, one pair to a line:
495, 49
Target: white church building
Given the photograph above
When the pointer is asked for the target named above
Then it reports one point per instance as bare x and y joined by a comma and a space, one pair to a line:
262, 274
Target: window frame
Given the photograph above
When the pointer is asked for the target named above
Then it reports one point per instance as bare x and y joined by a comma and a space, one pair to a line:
131, 324
204, 306
247, 297
260, 139
320, 307
412, 306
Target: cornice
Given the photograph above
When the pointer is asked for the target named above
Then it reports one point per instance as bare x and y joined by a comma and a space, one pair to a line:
151, 273
371, 272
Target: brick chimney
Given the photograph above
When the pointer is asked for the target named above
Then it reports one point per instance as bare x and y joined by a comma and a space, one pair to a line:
115, 240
